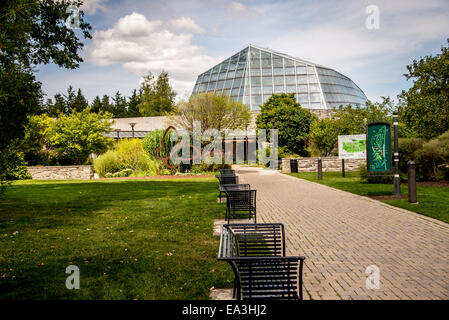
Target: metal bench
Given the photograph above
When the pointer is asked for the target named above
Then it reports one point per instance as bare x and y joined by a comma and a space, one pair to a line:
229, 187
240, 203
256, 253
227, 171
226, 179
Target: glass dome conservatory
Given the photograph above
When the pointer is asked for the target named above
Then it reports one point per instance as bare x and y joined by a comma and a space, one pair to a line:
254, 74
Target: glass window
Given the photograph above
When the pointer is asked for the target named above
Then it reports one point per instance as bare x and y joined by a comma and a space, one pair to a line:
277, 61
302, 97
216, 68
305, 105
255, 63
314, 88
302, 88
279, 80
278, 89
255, 81
222, 75
255, 72
257, 99
266, 72
228, 83
289, 70
214, 77
246, 99
235, 92
224, 66
266, 59
220, 85
239, 73
315, 97
315, 105
203, 87
301, 79
256, 90
230, 74
290, 89
289, 63
313, 79
290, 80
310, 70
237, 82
300, 70
226, 92
211, 86
268, 89
267, 81
278, 71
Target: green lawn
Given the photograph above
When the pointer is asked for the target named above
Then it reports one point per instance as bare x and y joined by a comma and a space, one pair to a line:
433, 201
131, 239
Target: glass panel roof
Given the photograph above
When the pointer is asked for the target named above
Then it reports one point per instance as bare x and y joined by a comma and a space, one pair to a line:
253, 74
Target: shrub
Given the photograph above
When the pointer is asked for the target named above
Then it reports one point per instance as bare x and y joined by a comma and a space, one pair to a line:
13, 165
74, 137
153, 140
107, 163
128, 158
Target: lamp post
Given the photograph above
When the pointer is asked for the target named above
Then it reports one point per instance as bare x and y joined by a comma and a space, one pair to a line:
396, 180
132, 124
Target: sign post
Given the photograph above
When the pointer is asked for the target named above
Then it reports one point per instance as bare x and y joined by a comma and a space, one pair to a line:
397, 179
378, 147
351, 147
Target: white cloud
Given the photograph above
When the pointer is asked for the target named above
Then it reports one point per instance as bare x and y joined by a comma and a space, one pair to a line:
141, 45
237, 6
185, 24
93, 6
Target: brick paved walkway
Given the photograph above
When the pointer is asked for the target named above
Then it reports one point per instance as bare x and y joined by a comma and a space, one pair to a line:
341, 234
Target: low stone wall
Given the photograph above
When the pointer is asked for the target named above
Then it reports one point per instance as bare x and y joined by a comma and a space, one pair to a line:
61, 172
329, 164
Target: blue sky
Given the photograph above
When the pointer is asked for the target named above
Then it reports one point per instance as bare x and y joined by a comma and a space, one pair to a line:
185, 38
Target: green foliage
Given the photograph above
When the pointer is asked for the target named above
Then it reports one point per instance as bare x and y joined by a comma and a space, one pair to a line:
35, 142
431, 157
213, 111
32, 32
119, 109
348, 120
127, 158
133, 103
107, 163
12, 165
282, 112
324, 135
156, 97
74, 137
153, 140
426, 103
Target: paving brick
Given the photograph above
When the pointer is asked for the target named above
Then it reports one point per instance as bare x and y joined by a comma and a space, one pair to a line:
341, 234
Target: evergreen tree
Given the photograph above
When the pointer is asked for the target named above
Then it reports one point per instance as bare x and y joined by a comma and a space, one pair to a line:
106, 104
70, 99
133, 102
96, 105
119, 110
80, 103
157, 97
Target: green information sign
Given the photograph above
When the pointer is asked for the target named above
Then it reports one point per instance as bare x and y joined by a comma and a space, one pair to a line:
378, 147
